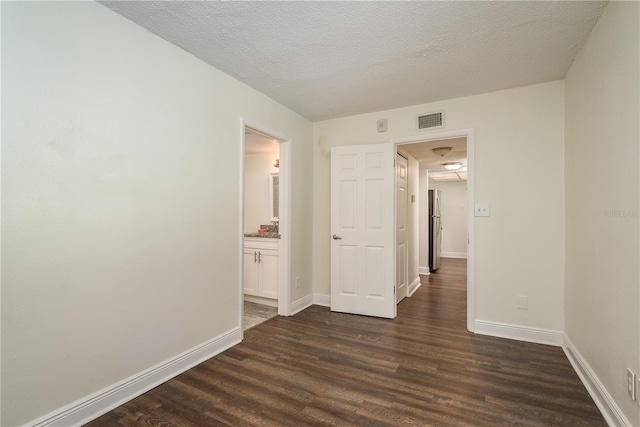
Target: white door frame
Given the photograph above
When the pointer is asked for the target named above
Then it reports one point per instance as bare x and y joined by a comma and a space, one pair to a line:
469, 135
284, 259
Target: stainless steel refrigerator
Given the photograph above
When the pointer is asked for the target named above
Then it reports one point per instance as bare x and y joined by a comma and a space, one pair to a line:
435, 230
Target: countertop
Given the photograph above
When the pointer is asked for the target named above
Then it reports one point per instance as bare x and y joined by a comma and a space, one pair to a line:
263, 235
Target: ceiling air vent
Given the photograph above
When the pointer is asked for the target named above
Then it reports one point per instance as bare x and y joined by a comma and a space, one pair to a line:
431, 120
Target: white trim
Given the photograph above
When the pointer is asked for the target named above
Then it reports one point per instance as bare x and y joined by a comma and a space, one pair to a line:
612, 414
520, 333
323, 300
298, 305
471, 288
424, 271
241, 232
284, 256
269, 302
284, 290
91, 407
470, 136
268, 132
461, 255
413, 287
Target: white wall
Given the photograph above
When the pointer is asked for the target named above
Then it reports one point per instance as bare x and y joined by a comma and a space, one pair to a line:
602, 156
258, 168
453, 208
519, 249
121, 233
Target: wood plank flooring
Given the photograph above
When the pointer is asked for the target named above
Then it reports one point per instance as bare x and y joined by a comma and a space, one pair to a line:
422, 368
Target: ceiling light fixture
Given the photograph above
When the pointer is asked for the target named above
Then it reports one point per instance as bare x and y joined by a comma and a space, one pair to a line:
452, 166
441, 151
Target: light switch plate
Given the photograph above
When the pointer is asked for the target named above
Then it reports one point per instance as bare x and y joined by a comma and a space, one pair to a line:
482, 209
631, 384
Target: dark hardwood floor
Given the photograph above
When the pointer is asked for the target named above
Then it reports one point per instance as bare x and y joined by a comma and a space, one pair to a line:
422, 368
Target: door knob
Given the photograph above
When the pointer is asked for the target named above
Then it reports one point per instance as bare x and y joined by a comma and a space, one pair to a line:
336, 237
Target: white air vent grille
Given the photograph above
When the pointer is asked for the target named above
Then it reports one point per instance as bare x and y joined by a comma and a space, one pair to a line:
430, 121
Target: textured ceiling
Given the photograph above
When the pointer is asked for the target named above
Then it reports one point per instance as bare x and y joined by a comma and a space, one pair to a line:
332, 59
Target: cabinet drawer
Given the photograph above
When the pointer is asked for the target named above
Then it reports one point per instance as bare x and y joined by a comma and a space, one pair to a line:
261, 243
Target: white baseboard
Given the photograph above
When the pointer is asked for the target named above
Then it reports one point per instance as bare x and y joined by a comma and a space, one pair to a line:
520, 333
101, 402
462, 255
424, 271
323, 300
261, 300
608, 407
413, 287
299, 305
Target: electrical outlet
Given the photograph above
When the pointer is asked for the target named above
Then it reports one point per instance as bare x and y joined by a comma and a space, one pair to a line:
298, 282
481, 209
631, 384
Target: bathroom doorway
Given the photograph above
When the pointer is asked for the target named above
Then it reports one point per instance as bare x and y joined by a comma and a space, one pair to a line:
265, 209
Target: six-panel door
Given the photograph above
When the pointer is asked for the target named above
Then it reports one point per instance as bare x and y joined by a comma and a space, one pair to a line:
362, 230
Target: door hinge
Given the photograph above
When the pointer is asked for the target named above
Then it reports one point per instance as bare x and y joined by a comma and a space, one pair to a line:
394, 289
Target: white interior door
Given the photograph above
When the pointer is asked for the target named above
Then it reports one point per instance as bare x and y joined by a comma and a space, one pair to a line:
402, 167
362, 227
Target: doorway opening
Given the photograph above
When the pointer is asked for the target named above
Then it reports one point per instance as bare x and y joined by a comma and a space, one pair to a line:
448, 171
264, 288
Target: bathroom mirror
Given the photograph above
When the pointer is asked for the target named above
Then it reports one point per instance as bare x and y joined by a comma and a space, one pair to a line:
274, 196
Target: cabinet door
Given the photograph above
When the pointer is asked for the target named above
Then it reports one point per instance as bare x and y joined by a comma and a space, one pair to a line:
269, 274
251, 278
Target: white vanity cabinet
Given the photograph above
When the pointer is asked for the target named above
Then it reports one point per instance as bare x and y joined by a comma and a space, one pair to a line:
261, 267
